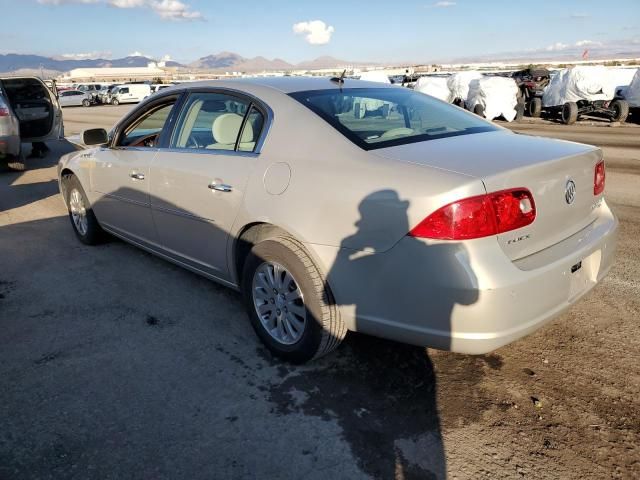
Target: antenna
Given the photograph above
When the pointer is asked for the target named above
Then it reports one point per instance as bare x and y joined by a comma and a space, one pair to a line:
339, 79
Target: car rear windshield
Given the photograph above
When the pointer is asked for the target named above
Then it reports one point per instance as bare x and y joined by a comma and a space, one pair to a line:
384, 117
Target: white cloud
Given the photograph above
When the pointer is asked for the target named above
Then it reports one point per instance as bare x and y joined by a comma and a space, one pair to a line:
444, 4
557, 47
137, 54
165, 9
588, 43
127, 3
86, 55
174, 10
316, 32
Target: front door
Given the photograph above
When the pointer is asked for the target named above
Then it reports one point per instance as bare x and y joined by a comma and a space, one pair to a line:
122, 175
198, 184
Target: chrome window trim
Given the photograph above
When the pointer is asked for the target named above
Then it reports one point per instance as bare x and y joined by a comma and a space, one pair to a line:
205, 151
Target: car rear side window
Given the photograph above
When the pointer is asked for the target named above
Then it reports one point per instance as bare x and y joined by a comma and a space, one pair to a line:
213, 121
383, 117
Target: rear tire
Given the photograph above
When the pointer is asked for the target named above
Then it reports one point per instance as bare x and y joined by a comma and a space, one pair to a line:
83, 220
86, 103
535, 107
620, 110
569, 113
320, 331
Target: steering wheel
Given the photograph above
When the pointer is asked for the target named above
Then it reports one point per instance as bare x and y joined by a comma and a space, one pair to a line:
146, 141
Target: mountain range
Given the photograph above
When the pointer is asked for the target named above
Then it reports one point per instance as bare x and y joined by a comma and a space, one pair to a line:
223, 61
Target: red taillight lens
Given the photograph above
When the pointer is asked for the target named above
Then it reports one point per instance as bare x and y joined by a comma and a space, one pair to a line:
4, 112
598, 178
479, 216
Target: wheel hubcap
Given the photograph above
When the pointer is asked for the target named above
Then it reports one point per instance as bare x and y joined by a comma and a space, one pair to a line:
279, 303
78, 211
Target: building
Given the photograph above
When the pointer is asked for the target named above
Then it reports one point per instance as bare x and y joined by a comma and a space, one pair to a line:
118, 75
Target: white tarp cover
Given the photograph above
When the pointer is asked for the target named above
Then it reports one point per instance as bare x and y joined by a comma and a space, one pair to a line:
632, 94
589, 83
375, 76
434, 86
459, 83
498, 96
621, 77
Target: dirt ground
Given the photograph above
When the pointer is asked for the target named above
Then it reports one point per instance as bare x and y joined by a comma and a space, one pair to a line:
116, 364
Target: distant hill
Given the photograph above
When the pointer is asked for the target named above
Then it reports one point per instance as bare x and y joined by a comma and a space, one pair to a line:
223, 61
12, 62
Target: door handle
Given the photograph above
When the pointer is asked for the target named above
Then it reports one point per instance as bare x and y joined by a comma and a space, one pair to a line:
220, 187
137, 176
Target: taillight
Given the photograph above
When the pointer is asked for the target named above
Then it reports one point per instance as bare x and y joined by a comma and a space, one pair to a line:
480, 216
4, 111
599, 178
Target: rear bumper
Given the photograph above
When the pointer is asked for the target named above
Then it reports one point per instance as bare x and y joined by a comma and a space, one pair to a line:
467, 297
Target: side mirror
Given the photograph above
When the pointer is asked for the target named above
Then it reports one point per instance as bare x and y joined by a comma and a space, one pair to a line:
95, 136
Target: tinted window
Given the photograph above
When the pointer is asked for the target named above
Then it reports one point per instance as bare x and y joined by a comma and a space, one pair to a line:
123, 90
383, 117
144, 131
211, 121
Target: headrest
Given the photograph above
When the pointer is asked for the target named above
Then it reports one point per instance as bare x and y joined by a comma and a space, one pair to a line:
226, 127
213, 106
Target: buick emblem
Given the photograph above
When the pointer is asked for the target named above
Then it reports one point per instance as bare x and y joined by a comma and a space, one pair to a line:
570, 192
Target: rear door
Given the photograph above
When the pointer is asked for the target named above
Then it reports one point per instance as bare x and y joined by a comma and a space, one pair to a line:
198, 184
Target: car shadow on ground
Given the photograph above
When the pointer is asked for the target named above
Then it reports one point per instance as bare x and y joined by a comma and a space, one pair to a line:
382, 394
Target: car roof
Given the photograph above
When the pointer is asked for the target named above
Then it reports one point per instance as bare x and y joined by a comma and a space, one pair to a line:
286, 84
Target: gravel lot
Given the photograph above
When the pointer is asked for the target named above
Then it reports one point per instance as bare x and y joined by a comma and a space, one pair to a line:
116, 364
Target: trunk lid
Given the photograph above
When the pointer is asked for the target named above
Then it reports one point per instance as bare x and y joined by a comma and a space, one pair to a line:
505, 160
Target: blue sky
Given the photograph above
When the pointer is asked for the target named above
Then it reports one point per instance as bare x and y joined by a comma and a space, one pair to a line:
373, 30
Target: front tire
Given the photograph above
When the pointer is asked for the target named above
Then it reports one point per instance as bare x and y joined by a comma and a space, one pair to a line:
83, 220
535, 107
288, 302
115, 102
479, 110
86, 103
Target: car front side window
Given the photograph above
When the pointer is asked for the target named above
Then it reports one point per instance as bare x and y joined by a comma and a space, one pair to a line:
146, 129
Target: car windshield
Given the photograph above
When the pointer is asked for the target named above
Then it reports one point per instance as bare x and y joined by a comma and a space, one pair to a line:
383, 117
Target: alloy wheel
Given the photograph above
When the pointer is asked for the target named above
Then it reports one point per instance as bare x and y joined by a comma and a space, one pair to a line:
78, 211
279, 303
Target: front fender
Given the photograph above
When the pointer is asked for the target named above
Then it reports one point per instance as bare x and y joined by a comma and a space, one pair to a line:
78, 163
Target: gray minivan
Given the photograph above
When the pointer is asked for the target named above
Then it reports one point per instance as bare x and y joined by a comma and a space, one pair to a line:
29, 112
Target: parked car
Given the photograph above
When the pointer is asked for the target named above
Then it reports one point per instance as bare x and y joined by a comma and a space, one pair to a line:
75, 98
29, 113
429, 226
158, 87
130, 93
102, 95
532, 82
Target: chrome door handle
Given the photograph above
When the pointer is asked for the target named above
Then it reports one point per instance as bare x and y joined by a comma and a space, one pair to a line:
220, 187
137, 176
